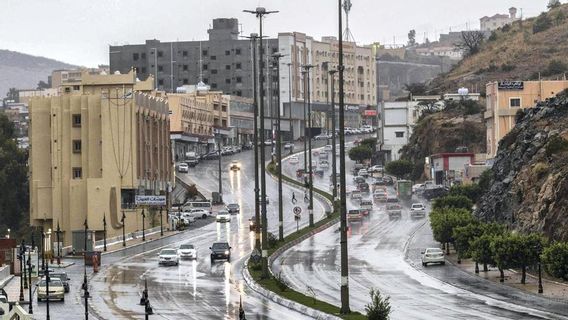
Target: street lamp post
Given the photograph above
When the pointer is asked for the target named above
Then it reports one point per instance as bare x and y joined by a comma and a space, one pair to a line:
290, 102
104, 233
24, 274
538, 249
260, 12
58, 231
277, 57
21, 256
123, 221
143, 225
85, 280
311, 205
218, 139
47, 280
305, 126
161, 224
253, 37
42, 249
343, 228
333, 148
30, 306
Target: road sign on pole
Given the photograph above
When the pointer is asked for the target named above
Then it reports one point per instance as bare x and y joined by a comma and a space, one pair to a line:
297, 210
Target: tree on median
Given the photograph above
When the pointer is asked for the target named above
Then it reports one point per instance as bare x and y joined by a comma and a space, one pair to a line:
443, 222
400, 168
555, 260
360, 153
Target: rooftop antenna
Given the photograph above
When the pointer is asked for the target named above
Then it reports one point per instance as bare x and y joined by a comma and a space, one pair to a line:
347, 33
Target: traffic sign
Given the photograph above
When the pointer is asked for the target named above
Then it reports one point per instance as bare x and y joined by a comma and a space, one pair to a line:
255, 256
297, 210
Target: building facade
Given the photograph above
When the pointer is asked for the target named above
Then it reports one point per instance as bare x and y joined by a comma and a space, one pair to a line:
92, 150
497, 21
224, 61
505, 98
449, 168
396, 124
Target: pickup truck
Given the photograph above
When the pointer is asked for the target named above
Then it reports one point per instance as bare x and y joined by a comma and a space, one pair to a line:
394, 210
417, 210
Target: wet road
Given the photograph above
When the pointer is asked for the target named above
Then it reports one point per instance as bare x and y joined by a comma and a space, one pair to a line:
377, 260
198, 289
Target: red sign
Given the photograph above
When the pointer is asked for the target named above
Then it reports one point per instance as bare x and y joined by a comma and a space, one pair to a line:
370, 113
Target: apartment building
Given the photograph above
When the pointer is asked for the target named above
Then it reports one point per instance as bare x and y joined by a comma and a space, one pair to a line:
103, 141
505, 98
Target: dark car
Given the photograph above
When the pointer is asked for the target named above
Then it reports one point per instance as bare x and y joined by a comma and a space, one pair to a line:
233, 208
211, 155
220, 251
433, 193
363, 187
61, 276
388, 180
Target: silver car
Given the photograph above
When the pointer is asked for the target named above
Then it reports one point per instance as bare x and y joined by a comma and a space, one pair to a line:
56, 290
433, 255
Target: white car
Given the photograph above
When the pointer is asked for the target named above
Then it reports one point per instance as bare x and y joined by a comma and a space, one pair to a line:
168, 257
223, 216
324, 164
293, 160
433, 255
417, 209
418, 188
288, 146
56, 290
328, 147
183, 167
376, 168
363, 173
187, 251
199, 213
187, 217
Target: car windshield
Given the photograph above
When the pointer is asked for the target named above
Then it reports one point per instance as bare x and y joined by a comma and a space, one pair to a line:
417, 206
222, 213
168, 252
61, 276
186, 246
233, 205
52, 282
434, 250
220, 245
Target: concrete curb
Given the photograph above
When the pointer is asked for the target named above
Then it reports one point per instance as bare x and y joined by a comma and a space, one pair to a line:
283, 301
5, 281
141, 243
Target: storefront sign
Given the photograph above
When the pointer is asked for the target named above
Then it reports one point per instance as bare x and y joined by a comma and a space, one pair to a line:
150, 200
511, 85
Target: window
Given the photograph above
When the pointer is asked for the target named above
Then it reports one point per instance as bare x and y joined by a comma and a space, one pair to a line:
399, 134
76, 120
135, 56
274, 50
76, 146
238, 66
515, 102
228, 67
239, 79
127, 197
205, 66
185, 67
161, 82
224, 108
227, 53
213, 57
205, 80
239, 93
160, 68
185, 81
228, 81
214, 71
184, 53
160, 54
204, 53
76, 88
77, 173
238, 51
143, 55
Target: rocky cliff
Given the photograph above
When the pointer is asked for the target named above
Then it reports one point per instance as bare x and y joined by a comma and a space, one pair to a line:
529, 188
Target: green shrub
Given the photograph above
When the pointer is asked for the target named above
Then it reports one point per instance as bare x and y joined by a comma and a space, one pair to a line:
360, 153
281, 282
272, 240
453, 202
472, 191
555, 260
379, 308
542, 23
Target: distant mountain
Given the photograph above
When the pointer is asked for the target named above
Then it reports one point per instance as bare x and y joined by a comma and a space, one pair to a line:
24, 71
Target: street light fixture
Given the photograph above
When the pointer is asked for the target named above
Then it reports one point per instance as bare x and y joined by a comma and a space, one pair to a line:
21, 255
218, 139
260, 12
307, 69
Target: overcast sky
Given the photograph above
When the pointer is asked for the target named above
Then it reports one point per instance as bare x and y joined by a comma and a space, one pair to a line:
79, 31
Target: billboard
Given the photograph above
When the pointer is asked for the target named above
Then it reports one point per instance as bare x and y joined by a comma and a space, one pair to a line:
370, 113
150, 200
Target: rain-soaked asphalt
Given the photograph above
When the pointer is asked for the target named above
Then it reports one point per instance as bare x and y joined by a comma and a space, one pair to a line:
377, 259
198, 289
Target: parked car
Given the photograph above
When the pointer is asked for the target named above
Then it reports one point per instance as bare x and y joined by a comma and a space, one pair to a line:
183, 167
168, 257
433, 255
233, 208
187, 251
417, 209
235, 166
61, 275
220, 251
223, 216
56, 290
377, 168
199, 213
187, 217
268, 142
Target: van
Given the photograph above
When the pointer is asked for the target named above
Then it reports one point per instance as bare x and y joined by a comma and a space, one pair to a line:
206, 205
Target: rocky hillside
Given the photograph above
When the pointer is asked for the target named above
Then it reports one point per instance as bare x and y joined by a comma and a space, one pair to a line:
520, 51
444, 131
23, 71
529, 190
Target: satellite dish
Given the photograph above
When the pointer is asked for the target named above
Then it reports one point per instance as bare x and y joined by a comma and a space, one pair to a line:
117, 72
463, 91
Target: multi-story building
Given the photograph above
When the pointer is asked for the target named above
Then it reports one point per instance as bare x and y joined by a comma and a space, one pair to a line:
195, 116
92, 149
505, 98
63, 76
224, 61
241, 120
497, 21
397, 120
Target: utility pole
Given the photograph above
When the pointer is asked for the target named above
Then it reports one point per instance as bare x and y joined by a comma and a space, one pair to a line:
305, 125
290, 101
123, 221
104, 233
277, 57
343, 228
333, 148
218, 138
30, 306
143, 227
260, 12
311, 173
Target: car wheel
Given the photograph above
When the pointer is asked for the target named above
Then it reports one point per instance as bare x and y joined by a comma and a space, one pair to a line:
204, 216
229, 259
63, 299
424, 264
212, 260
443, 262
38, 300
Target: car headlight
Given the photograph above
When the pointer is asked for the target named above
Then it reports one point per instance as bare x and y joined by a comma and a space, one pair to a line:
226, 251
251, 223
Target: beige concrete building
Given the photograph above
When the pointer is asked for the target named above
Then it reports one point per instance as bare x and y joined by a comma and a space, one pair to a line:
498, 20
63, 76
195, 115
505, 98
92, 149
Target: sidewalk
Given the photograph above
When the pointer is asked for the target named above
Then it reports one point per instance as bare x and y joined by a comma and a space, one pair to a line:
556, 290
